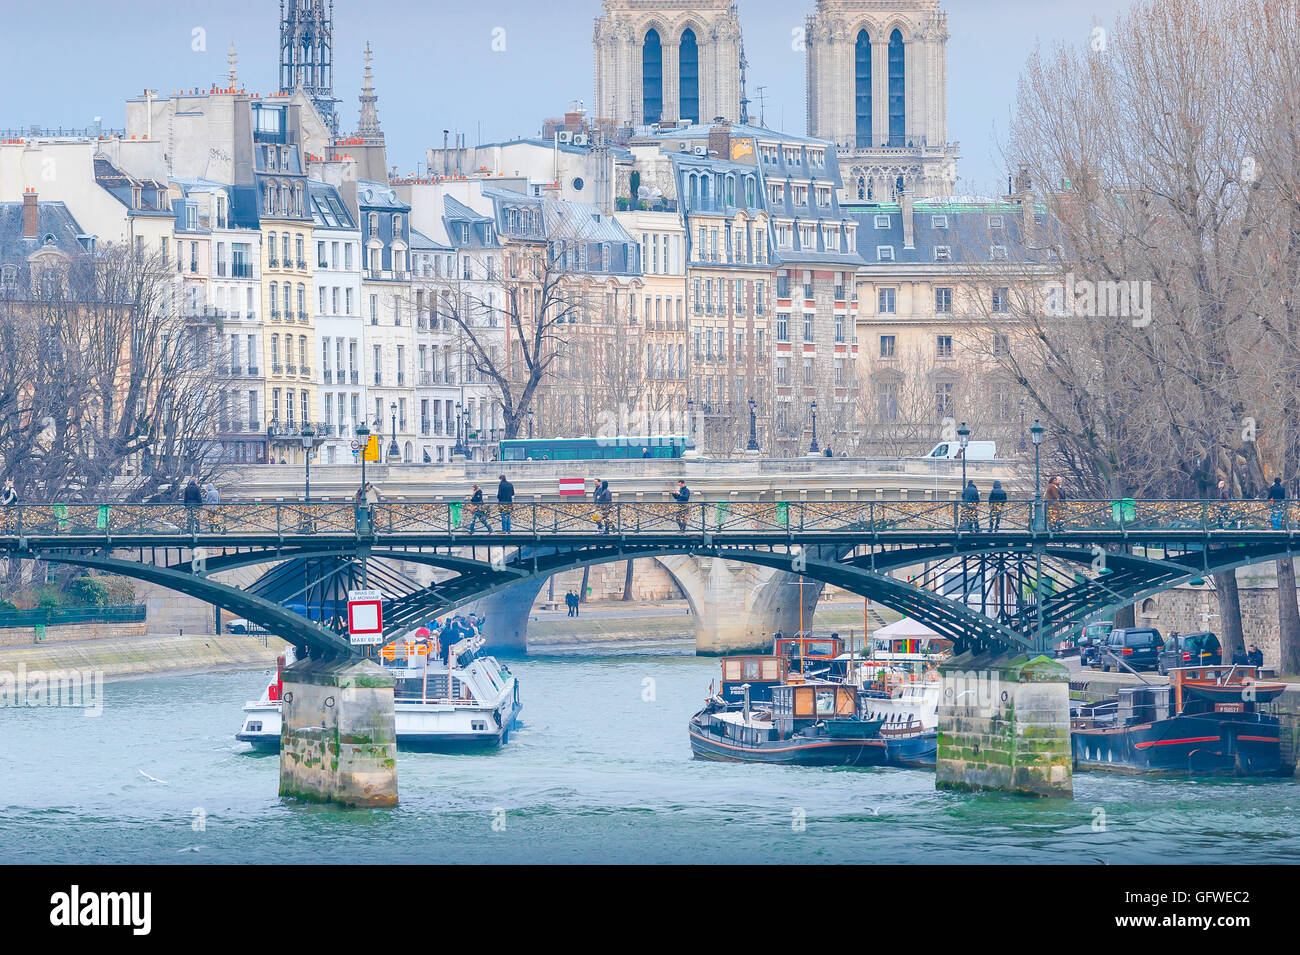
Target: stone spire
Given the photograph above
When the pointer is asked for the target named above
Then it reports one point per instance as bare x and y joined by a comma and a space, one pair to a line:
232, 81
368, 126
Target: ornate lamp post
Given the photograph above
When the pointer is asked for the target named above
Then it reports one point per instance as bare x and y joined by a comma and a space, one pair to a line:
530, 424
363, 438
812, 448
393, 450
963, 438
1036, 432
459, 448
753, 426
310, 442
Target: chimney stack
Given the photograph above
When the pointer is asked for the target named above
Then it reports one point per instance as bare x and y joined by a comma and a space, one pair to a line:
29, 213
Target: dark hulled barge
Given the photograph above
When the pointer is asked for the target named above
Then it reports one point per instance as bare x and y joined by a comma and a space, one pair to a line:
1209, 720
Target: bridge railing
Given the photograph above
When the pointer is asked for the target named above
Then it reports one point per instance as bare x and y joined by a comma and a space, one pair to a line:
582, 516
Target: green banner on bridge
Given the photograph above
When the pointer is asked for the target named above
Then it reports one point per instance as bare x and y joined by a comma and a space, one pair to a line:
783, 513
101, 521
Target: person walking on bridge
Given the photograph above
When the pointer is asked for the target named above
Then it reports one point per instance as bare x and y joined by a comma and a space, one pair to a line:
505, 502
1054, 499
211, 498
970, 507
682, 496
997, 502
478, 510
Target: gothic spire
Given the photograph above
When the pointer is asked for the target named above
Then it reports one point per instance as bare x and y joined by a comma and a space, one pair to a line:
368, 126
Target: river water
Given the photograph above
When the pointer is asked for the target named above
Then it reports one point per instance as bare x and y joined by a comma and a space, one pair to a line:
599, 771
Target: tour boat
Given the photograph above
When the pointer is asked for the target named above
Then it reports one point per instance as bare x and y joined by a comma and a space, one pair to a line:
1207, 720
804, 724
463, 703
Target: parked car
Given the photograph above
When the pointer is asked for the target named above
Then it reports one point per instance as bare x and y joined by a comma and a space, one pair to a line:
240, 625
1138, 647
1089, 639
1189, 650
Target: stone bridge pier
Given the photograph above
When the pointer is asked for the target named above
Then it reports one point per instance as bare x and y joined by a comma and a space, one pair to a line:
735, 606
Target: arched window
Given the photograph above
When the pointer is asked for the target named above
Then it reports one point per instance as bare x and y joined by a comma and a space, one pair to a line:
897, 91
862, 89
862, 187
689, 78
652, 77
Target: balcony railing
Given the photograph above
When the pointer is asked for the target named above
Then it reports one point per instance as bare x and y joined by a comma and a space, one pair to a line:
302, 316
273, 263
291, 369
302, 265
356, 377
275, 316
277, 369
328, 376
235, 371
241, 270
426, 378
254, 371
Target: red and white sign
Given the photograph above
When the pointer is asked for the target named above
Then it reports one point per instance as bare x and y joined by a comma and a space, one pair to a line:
569, 486
365, 617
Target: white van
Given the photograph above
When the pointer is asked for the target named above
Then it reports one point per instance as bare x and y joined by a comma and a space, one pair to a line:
975, 451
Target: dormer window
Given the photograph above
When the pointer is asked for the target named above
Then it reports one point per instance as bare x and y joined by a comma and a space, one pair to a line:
996, 222
191, 217
882, 222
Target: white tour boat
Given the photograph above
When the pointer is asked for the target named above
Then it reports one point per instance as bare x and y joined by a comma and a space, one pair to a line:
465, 702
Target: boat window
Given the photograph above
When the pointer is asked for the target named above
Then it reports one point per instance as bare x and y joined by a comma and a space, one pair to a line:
753, 669
771, 670
731, 670
826, 702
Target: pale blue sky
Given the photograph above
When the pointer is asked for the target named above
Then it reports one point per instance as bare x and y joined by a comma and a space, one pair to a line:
63, 62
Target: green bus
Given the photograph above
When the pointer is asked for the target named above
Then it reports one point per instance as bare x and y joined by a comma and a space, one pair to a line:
593, 449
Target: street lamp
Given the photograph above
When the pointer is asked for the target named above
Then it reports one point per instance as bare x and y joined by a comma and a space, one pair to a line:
1036, 432
963, 438
812, 448
393, 450
363, 438
530, 424
467, 448
753, 427
459, 448
310, 442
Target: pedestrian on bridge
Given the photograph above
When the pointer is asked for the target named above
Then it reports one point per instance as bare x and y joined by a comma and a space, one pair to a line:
505, 502
478, 510
997, 502
193, 497
604, 506
212, 498
682, 496
970, 507
1277, 495
1054, 497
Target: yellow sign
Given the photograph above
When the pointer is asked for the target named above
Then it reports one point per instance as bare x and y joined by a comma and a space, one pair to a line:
371, 452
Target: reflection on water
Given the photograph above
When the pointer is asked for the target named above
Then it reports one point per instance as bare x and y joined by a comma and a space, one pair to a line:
600, 770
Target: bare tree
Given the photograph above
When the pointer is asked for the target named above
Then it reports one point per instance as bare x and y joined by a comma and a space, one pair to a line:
104, 371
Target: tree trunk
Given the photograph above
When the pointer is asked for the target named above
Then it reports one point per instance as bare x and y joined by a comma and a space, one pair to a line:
1230, 633
582, 591
627, 581
1288, 618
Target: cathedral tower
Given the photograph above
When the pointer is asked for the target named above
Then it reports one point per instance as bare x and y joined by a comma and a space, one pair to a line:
878, 89
667, 61
306, 54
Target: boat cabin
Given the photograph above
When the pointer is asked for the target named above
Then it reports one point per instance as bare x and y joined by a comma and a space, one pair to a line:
759, 671
814, 701
1223, 688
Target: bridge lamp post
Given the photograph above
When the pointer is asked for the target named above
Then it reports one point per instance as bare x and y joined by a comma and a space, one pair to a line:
363, 438
393, 450
812, 448
1036, 432
963, 438
530, 424
310, 442
753, 425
